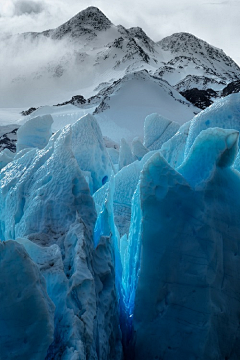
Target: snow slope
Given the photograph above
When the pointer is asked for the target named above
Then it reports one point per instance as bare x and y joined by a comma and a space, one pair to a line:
138, 95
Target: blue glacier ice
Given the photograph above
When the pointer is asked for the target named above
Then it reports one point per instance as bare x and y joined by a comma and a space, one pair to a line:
122, 255
213, 148
114, 156
173, 150
158, 130
224, 113
187, 302
47, 207
90, 151
126, 181
138, 149
125, 154
26, 311
35, 133
6, 156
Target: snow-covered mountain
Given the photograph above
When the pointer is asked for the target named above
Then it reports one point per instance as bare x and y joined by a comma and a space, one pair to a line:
88, 53
190, 58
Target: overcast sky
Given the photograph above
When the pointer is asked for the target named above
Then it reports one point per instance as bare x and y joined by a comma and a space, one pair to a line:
216, 21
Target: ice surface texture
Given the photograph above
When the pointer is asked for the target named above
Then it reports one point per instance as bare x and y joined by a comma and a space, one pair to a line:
224, 113
35, 133
46, 206
26, 311
186, 303
157, 130
152, 249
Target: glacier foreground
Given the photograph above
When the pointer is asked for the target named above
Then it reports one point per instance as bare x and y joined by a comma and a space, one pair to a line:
135, 259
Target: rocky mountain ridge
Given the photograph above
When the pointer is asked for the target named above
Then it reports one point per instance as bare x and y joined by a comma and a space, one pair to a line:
109, 52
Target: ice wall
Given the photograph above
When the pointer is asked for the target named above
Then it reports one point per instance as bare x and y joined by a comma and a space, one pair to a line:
173, 150
90, 151
224, 113
26, 311
126, 181
146, 258
187, 300
46, 205
125, 154
158, 130
35, 133
138, 149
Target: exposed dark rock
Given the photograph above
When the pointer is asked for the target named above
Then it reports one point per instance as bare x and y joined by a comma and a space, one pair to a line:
200, 98
75, 100
8, 137
231, 88
29, 111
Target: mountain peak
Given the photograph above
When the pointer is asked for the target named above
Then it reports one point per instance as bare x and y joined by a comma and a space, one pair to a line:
87, 21
188, 45
180, 39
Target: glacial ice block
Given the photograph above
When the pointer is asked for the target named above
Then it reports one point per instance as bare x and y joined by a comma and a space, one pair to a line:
90, 151
125, 154
6, 156
46, 205
187, 301
173, 150
214, 147
42, 190
126, 181
158, 130
223, 113
26, 311
35, 133
138, 149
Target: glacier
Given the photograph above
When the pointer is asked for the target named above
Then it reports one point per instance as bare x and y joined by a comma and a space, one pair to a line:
26, 312
130, 252
193, 276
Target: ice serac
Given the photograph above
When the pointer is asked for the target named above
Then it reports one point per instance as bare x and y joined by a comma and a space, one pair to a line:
35, 133
173, 150
138, 149
125, 154
6, 156
224, 113
107, 266
26, 311
158, 130
90, 151
187, 301
126, 181
213, 148
34, 183
46, 206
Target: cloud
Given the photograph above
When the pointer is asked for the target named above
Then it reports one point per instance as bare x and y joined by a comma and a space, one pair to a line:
28, 7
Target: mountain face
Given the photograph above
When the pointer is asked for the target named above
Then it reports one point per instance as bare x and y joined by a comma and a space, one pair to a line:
89, 53
200, 98
189, 55
231, 88
87, 22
